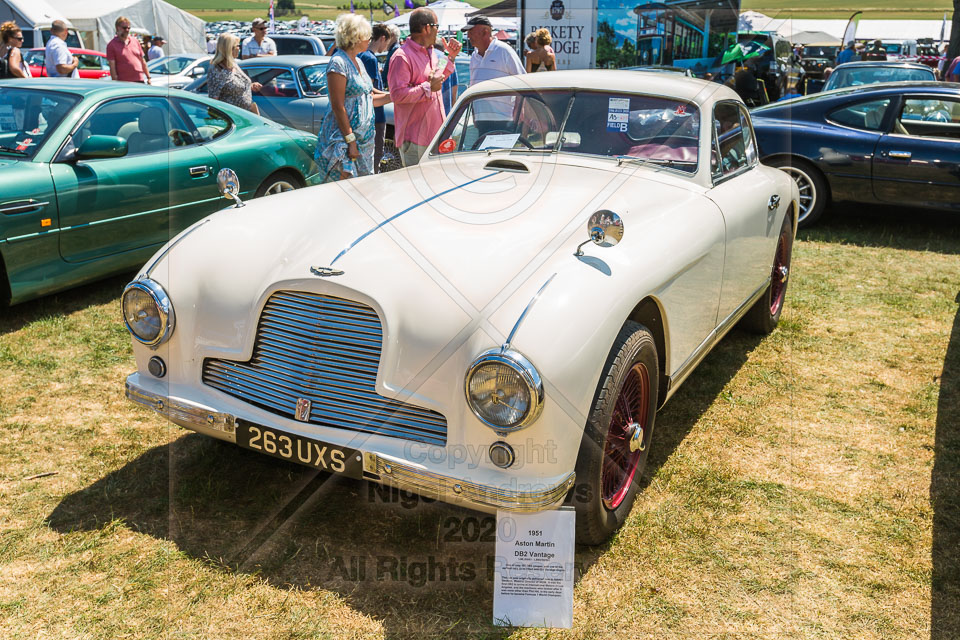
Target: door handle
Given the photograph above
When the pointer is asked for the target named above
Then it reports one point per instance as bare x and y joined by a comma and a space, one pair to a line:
902, 155
198, 172
774, 202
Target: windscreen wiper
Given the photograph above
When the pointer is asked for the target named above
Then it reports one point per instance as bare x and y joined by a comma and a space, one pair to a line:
18, 152
665, 162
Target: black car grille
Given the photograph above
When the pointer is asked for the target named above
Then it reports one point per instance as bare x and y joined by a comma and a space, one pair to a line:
326, 350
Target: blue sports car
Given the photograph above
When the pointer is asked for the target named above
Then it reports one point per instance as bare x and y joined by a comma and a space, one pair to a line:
893, 143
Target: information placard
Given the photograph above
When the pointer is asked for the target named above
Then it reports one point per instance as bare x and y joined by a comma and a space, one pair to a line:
533, 569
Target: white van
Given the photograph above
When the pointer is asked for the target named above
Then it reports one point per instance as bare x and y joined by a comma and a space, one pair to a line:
900, 49
34, 17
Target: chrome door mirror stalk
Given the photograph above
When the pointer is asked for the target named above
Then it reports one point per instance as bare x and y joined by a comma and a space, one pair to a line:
229, 185
605, 229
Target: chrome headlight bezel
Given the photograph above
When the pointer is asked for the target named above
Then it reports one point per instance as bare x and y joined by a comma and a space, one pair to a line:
164, 311
527, 373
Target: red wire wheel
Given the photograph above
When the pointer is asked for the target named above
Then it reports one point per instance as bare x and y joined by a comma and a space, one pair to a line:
780, 273
619, 462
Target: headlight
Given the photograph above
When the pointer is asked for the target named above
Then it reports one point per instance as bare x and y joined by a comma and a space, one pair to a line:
147, 312
504, 390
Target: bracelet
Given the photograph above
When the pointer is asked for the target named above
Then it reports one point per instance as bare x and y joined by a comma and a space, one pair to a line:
350, 137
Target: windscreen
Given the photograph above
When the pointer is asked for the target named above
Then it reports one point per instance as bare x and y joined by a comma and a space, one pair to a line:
28, 116
660, 130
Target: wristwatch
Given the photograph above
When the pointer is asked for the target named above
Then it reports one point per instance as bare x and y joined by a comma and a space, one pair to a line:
350, 137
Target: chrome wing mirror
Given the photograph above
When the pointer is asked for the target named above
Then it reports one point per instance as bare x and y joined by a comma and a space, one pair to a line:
605, 229
229, 185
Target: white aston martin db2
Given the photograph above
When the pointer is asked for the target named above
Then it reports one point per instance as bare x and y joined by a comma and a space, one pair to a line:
495, 327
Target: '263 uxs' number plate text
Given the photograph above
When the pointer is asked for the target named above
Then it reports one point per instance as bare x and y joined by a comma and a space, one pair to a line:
305, 451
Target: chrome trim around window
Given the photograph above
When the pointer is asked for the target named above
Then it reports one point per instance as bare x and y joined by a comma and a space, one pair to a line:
164, 308
519, 363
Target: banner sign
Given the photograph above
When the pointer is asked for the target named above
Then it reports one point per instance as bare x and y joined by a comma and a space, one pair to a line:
534, 568
571, 24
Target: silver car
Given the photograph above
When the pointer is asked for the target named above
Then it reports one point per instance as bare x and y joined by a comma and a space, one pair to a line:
177, 71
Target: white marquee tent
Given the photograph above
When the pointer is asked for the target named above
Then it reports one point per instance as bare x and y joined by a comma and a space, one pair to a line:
94, 18
866, 30
452, 15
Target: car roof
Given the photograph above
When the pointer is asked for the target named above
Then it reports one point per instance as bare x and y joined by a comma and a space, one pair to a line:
74, 50
84, 86
291, 62
657, 84
882, 63
865, 90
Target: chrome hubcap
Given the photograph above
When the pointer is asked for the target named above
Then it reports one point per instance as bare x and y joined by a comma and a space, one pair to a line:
783, 272
808, 194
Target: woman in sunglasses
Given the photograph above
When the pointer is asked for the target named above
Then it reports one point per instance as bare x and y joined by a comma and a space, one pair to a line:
11, 37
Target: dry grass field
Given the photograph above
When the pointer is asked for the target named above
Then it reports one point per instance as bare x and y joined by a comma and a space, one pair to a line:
802, 485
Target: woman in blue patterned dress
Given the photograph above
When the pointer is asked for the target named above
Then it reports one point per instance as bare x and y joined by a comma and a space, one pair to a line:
345, 143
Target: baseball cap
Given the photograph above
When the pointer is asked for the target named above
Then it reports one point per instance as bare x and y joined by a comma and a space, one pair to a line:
257, 22
477, 20
158, 39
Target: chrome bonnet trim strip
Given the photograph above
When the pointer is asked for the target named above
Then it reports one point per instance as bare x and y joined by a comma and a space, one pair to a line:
526, 310
407, 210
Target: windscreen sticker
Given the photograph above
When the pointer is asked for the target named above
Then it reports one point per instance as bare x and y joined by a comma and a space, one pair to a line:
26, 142
8, 122
618, 114
447, 145
681, 110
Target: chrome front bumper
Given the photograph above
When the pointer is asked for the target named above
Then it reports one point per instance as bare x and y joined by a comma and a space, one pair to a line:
377, 467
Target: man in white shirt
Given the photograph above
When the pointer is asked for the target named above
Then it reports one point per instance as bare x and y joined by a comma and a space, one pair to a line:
155, 51
491, 59
258, 44
57, 57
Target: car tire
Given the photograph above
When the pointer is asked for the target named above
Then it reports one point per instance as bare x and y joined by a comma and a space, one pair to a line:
278, 182
608, 472
764, 315
814, 193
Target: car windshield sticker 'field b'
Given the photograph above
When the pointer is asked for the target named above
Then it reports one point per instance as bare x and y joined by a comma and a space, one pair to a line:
618, 112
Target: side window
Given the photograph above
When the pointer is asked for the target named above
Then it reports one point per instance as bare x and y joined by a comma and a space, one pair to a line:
749, 140
209, 122
148, 125
930, 118
729, 147
277, 83
863, 115
89, 61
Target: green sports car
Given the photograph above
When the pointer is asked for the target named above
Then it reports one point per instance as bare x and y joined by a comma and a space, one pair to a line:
96, 176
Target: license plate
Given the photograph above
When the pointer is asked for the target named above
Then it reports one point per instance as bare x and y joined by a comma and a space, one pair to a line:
306, 451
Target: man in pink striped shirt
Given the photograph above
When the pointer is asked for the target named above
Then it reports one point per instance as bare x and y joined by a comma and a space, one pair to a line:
415, 83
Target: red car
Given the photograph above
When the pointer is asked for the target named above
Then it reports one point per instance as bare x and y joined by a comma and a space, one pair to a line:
93, 64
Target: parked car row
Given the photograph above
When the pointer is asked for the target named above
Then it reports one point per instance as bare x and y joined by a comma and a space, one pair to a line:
95, 176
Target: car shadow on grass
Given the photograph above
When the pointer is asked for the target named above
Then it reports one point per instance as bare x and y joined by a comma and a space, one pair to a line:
63, 303
866, 225
945, 498
420, 566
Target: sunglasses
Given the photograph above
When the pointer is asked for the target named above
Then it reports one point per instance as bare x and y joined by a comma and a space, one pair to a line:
260, 28
20, 38
433, 24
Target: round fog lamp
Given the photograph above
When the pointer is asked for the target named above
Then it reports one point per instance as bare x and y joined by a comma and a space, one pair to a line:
501, 454
157, 367
147, 312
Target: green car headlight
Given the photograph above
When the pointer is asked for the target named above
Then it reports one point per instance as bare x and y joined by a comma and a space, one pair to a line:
504, 390
147, 312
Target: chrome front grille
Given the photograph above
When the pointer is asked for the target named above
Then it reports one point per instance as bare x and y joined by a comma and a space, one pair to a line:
327, 350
